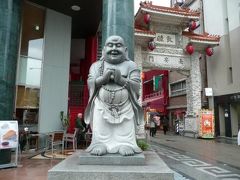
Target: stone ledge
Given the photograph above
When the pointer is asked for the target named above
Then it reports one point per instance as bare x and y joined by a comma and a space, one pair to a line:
111, 159
70, 169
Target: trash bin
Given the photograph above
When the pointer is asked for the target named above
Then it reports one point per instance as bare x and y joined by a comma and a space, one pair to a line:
5, 156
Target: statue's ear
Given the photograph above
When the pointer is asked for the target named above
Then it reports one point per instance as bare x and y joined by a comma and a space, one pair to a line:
103, 50
126, 51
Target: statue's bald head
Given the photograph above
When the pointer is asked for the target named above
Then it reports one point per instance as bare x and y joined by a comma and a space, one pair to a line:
115, 50
114, 38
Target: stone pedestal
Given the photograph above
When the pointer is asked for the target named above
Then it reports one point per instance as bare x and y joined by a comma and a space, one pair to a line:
111, 159
70, 169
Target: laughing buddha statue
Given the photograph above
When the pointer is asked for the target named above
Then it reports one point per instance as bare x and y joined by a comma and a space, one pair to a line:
113, 110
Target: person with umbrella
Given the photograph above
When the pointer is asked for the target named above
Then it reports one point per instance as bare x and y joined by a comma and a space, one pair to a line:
152, 126
165, 124
156, 118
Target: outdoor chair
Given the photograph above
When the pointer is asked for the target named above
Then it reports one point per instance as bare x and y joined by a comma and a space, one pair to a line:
56, 139
72, 138
88, 138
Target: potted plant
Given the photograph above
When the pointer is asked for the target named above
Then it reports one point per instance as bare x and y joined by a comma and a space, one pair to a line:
64, 119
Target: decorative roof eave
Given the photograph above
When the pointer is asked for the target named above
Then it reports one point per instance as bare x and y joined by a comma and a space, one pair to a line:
167, 13
177, 10
144, 33
143, 36
213, 43
205, 38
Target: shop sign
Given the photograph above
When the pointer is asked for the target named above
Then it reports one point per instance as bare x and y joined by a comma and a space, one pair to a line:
157, 80
206, 128
8, 134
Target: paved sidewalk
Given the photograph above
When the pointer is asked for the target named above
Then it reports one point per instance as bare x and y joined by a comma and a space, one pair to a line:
211, 149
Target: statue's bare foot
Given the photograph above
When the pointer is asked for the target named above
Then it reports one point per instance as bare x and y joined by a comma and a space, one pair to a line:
126, 151
99, 150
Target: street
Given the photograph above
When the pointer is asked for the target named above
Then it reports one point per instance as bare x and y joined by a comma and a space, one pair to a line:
198, 158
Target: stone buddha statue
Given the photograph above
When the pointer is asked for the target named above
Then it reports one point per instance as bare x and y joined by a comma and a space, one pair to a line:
113, 110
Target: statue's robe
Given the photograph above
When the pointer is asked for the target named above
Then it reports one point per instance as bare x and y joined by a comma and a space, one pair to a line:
110, 129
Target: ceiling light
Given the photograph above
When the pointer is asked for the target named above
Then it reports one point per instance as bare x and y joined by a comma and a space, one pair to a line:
75, 8
36, 27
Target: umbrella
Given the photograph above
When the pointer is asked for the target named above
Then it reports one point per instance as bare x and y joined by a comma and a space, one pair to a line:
155, 113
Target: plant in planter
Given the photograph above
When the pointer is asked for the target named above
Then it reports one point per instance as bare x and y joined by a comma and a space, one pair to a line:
64, 119
142, 144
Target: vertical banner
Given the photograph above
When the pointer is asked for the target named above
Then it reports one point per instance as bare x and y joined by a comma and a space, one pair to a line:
207, 126
157, 83
8, 134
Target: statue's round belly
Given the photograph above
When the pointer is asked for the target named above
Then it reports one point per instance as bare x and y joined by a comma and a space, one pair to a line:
113, 94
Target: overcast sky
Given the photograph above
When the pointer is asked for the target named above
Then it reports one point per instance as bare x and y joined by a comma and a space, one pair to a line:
155, 2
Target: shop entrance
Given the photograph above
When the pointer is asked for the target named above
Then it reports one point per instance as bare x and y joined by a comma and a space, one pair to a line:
227, 118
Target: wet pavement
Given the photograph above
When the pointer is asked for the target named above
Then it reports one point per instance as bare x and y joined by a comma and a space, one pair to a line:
29, 169
198, 159
194, 159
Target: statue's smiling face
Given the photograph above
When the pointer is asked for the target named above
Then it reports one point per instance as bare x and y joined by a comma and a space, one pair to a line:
114, 50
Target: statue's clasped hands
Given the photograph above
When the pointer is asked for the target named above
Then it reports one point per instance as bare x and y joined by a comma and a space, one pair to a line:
113, 75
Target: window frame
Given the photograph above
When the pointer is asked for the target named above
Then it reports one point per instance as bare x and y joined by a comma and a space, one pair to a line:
178, 92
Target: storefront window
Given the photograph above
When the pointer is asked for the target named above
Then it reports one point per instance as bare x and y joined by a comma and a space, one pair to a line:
30, 66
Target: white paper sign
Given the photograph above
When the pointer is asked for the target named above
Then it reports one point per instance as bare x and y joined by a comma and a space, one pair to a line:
208, 91
8, 134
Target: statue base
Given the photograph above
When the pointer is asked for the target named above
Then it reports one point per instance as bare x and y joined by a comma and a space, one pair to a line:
70, 169
111, 159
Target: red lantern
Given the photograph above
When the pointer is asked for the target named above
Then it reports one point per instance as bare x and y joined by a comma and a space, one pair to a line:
192, 25
209, 51
190, 49
147, 18
151, 45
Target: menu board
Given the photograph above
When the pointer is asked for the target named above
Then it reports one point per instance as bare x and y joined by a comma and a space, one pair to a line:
206, 129
8, 134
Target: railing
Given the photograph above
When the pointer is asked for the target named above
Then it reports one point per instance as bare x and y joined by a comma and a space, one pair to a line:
153, 95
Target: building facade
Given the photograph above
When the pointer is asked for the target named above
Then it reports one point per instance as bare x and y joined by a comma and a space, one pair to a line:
223, 67
178, 49
57, 42
48, 38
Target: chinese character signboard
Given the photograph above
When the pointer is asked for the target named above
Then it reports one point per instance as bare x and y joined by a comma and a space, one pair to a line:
166, 39
206, 128
166, 61
8, 134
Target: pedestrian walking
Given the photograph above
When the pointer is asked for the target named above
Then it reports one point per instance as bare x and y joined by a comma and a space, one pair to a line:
239, 137
152, 127
165, 124
157, 123
80, 124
